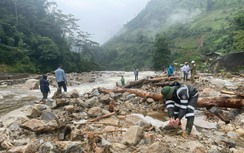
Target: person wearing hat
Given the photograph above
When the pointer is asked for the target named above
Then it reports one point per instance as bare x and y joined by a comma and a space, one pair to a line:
193, 71
180, 101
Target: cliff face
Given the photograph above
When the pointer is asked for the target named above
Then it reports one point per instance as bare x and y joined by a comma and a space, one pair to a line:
232, 62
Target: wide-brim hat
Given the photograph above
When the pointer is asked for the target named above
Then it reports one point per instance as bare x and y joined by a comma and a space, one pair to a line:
167, 92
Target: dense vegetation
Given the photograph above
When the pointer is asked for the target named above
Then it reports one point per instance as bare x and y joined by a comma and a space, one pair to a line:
36, 37
191, 28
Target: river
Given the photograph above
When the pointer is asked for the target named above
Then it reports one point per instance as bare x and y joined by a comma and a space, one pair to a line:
13, 97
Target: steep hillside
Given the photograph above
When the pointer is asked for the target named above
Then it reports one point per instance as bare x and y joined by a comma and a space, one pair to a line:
192, 29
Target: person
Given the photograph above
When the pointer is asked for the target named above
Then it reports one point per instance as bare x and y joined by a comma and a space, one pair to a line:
170, 71
44, 87
185, 69
180, 101
136, 72
61, 78
193, 71
164, 70
122, 80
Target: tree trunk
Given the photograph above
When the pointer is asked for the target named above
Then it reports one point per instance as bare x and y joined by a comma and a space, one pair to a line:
140, 83
228, 102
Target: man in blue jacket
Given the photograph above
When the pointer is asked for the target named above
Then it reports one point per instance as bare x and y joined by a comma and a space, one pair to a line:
61, 78
170, 71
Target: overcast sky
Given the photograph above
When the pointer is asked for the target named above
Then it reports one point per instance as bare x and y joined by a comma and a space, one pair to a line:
102, 18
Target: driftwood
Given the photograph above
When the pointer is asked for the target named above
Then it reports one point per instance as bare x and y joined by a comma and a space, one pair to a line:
141, 82
107, 124
232, 93
111, 131
134, 91
228, 102
101, 117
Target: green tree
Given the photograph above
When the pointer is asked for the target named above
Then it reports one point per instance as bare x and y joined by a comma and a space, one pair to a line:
161, 53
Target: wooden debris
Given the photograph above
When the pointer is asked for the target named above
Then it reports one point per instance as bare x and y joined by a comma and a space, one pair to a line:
141, 82
228, 102
107, 124
228, 92
138, 92
111, 131
101, 117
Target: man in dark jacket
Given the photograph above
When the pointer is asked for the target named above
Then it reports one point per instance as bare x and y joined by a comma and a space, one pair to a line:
180, 102
44, 87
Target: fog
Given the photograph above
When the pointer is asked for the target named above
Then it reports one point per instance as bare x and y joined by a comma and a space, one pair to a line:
102, 18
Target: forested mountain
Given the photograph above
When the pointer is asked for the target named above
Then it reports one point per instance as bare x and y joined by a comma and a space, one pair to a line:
189, 29
36, 37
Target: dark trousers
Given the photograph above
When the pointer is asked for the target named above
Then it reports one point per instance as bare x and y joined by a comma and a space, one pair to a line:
62, 84
185, 75
190, 120
45, 95
136, 77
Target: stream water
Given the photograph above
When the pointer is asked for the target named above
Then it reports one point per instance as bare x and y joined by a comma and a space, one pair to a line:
13, 97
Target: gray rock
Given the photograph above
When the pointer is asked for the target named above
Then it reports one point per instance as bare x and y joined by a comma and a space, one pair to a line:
133, 135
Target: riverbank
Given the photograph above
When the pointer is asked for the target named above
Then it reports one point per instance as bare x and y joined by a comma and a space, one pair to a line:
88, 120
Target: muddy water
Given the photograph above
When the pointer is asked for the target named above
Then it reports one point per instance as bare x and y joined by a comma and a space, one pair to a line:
12, 97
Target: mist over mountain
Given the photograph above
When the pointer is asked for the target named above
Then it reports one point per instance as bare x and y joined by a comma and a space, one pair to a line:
191, 28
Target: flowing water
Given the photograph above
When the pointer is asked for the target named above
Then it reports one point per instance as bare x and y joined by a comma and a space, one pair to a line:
13, 97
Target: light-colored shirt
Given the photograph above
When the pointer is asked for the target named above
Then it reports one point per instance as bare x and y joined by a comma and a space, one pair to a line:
185, 68
60, 75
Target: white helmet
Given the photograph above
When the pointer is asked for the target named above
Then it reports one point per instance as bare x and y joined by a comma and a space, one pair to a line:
192, 62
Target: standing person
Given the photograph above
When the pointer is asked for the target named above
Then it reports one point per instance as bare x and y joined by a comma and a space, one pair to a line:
136, 73
61, 78
163, 70
193, 71
170, 71
122, 80
185, 69
180, 101
44, 87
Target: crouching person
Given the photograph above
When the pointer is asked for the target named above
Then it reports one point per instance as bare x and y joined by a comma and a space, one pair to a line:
180, 101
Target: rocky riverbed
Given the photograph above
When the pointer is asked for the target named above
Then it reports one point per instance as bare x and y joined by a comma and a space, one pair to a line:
88, 120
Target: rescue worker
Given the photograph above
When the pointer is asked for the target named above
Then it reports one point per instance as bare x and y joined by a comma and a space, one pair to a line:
180, 101
193, 71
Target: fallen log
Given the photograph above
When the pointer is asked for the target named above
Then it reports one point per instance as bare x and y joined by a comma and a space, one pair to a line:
101, 117
227, 92
107, 124
164, 79
232, 93
136, 83
138, 92
228, 102
141, 82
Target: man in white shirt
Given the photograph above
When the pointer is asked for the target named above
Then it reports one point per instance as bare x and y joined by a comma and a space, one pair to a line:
185, 69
